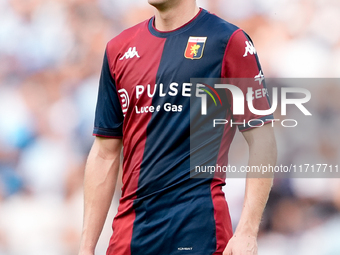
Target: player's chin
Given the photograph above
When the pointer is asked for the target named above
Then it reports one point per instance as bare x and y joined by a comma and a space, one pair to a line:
157, 3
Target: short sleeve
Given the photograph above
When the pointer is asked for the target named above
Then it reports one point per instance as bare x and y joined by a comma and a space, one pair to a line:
109, 116
242, 68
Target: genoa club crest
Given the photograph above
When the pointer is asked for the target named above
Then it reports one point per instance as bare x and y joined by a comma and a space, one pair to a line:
195, 47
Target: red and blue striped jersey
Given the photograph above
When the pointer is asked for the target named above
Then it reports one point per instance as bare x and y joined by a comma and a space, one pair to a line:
145, 98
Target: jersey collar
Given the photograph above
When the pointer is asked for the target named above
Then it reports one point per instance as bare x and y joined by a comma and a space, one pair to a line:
177, 31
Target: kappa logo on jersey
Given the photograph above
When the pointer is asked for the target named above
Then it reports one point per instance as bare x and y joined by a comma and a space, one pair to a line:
249, 49
195, 47
259, 77
124, 99
131, 53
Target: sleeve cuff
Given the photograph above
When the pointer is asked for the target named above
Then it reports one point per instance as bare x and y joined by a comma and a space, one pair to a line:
256, 122
108, 133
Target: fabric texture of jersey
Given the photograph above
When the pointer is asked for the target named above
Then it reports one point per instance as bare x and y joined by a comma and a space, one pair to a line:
145, 98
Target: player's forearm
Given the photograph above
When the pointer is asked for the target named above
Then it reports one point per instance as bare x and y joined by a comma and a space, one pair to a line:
262, 150
257, 191
99, 185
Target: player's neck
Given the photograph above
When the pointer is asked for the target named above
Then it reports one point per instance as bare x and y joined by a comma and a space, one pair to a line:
173, 18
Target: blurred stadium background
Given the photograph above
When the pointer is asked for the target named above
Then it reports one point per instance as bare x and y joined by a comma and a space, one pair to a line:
50, 58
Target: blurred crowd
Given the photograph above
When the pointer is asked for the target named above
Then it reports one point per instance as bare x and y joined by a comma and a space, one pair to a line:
51, 53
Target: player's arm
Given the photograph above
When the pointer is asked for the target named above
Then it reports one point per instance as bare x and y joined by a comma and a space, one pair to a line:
104, 159
241, 61
99, 184
262, 150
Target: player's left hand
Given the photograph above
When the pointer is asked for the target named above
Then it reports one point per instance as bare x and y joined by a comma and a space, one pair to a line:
241, 244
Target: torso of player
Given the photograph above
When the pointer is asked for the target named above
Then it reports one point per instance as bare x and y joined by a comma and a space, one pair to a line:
152, 71
165, 135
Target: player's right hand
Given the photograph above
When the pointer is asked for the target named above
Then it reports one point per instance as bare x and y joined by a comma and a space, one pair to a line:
241, 244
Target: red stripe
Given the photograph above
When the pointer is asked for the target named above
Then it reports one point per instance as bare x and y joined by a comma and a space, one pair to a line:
221, 211
128, 74
224, 66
